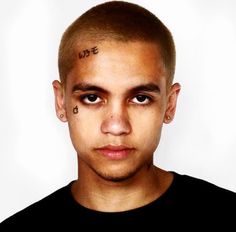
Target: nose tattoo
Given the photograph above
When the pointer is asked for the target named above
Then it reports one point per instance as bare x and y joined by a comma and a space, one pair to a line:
75, 110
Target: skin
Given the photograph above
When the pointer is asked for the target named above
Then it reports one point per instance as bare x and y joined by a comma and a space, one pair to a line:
119, 115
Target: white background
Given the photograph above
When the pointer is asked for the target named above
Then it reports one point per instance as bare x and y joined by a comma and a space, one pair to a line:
36, 155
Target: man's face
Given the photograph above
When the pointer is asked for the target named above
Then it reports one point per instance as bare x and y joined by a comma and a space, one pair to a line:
115, 102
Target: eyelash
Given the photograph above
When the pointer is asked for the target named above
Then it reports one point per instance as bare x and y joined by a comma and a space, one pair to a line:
83, 98
147, 98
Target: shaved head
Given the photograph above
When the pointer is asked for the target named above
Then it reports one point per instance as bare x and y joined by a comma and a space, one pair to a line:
116, 21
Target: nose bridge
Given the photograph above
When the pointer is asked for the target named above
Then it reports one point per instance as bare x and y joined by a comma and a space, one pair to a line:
116, 120
116, 108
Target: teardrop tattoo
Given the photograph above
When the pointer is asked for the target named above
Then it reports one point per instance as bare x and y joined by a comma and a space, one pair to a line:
75, 110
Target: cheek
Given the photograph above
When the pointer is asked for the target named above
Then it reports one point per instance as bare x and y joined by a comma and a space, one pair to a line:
147, 128
84, 127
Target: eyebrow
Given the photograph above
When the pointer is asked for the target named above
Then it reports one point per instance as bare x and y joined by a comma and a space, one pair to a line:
87, 87
149, 87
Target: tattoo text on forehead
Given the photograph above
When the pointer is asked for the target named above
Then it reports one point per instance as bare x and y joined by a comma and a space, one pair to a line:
87, 52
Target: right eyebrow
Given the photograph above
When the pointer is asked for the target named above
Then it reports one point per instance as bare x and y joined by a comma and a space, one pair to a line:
87, 87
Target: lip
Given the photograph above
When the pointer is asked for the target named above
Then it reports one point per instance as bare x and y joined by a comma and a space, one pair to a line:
115, 152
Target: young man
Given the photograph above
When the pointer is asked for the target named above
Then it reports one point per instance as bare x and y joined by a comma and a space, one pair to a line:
116, 65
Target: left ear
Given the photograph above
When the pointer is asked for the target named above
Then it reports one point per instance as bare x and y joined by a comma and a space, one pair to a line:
171, 102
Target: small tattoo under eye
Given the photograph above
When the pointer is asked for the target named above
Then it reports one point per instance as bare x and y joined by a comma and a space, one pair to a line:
87, 52
75, 110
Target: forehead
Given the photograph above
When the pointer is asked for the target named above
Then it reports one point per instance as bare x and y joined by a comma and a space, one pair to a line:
117, 63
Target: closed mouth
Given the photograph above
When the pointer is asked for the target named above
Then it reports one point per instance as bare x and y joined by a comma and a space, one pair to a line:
115, 152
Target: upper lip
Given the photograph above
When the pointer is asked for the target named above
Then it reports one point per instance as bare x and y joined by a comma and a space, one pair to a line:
114, 147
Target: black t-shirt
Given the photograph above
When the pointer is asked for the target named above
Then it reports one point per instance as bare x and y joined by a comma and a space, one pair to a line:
189, 204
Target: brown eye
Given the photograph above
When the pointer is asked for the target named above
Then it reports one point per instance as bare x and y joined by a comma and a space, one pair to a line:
90, 99
141, 99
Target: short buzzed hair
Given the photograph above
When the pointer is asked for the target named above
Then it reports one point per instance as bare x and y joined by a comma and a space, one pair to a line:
117, 21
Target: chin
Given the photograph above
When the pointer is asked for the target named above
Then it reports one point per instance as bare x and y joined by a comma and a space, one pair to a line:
117, 176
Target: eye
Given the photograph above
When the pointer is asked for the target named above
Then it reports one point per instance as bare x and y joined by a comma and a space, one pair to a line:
90, 99
141, 99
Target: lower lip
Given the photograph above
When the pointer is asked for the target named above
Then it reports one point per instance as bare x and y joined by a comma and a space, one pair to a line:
116, 155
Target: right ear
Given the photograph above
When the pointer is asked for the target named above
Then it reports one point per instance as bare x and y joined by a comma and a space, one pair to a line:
59, 100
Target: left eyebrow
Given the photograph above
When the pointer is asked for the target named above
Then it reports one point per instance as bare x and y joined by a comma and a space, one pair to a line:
150, 87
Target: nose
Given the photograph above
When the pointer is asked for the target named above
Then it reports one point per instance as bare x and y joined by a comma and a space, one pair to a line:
116, 122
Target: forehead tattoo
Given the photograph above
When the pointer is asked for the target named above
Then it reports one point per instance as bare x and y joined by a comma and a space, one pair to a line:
87, 52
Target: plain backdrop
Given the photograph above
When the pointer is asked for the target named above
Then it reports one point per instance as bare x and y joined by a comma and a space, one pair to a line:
36, 155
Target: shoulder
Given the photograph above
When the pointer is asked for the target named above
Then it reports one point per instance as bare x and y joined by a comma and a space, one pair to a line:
201, 185
201, 202
41, 210
202, 191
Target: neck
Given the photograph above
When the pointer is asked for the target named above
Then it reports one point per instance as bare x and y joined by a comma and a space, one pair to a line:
95, 193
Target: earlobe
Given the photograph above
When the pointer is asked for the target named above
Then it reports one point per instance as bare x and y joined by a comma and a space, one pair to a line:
59, 100
171, 103
167, 119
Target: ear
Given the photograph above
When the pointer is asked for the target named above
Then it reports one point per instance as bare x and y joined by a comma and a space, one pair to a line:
59, 100
171, 102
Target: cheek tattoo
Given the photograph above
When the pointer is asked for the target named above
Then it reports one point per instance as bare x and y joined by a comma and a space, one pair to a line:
75, 110
87, 52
